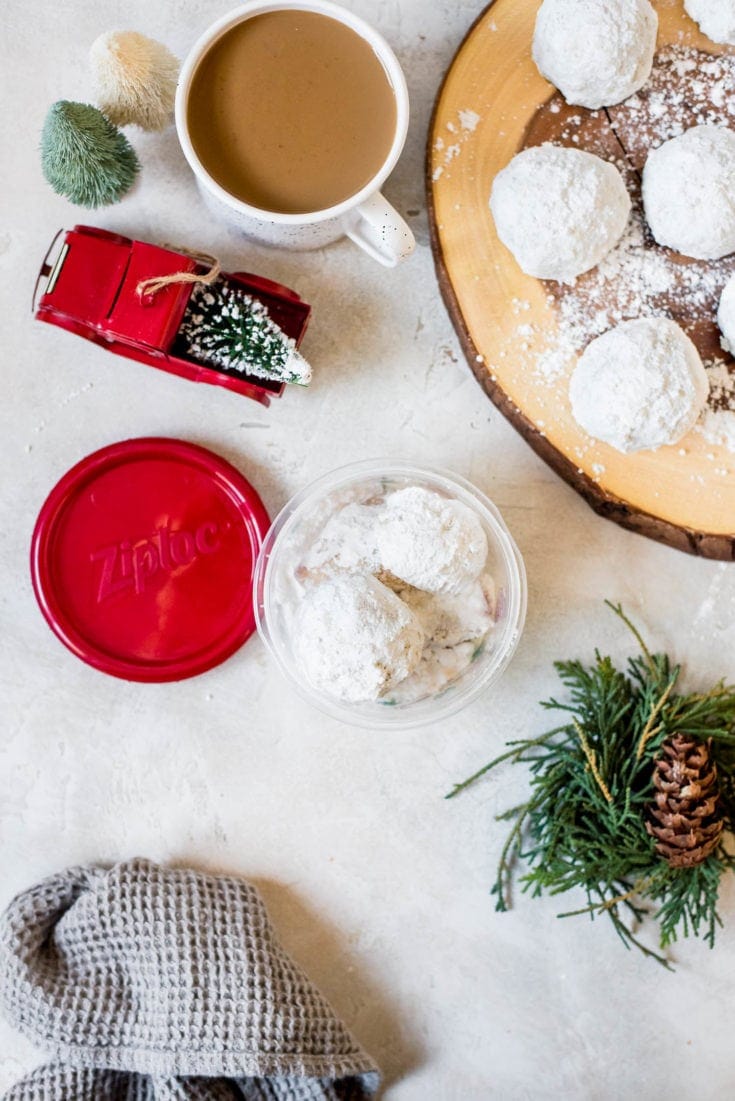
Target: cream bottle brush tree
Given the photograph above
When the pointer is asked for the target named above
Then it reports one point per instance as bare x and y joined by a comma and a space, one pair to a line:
134, 78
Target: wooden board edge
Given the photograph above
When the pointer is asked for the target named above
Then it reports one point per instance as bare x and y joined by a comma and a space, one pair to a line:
703, 544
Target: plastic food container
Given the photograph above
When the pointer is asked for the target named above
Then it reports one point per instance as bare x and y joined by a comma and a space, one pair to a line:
276, 587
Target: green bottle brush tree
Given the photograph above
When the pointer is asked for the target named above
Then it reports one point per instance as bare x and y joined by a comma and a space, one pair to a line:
631, 796
84, 156
227, 328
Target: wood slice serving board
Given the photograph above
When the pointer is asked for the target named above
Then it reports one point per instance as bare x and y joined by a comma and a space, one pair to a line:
515, 330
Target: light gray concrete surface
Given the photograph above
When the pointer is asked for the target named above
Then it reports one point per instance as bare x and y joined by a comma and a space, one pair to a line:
378, 887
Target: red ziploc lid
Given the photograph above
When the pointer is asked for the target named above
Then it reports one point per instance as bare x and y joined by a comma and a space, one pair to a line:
142, 559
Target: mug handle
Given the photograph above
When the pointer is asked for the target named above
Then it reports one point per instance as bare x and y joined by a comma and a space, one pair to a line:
381, 232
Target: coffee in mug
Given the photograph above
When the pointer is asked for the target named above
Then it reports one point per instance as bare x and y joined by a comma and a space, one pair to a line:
291, 111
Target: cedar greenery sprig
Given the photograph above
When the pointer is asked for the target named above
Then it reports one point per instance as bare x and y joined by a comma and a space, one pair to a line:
583, 825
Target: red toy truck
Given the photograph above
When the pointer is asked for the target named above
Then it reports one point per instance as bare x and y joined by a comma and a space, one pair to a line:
91, 289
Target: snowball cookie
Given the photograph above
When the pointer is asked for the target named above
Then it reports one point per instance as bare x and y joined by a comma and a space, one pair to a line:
347, 542
559, 210
430, 541
716, 18
639, 386
726, 316
355, 639
689, 192
596, 52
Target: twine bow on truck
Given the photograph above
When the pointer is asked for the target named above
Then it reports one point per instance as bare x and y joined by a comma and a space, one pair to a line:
149, 288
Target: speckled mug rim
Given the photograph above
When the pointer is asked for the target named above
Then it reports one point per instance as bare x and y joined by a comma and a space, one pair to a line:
322, 7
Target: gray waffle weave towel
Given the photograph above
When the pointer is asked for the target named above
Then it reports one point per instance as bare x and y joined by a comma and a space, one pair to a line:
146, 983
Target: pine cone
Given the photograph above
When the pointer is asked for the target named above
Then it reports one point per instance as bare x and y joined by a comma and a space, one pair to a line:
685, 817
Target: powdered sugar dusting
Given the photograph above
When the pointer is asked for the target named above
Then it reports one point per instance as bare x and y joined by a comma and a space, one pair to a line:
687, 88
718, 427
636, 279
717, 423
468, 120
448, 150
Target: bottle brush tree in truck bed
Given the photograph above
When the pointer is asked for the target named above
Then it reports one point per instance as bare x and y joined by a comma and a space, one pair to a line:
227, 328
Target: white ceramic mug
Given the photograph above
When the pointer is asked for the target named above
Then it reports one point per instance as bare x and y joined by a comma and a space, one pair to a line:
366, 217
